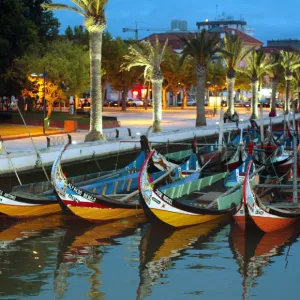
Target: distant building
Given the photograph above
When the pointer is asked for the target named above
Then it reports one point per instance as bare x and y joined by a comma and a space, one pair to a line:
228, 22
284, 44
179, 25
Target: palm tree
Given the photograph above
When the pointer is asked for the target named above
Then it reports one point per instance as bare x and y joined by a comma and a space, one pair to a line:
275, 74
150, 57
257, 66
234, 46
201, 46
297, 77
95, 23
290, 61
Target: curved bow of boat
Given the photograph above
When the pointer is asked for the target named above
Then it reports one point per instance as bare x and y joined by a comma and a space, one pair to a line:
58, 179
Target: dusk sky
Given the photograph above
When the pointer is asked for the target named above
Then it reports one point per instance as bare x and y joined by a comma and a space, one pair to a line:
274, 19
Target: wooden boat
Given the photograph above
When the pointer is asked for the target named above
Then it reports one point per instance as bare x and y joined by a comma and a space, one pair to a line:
109, 201
37, 199
268, 211
238, 157
25, 205
188, 201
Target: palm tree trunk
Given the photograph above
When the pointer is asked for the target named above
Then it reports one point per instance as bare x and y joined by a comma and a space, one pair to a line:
254, 107
157, 104
200, 96
287, 96
95, 132
298, 95
230, 90
273, 96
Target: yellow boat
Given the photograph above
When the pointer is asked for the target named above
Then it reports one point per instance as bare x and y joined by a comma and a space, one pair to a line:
188, 201
24, 205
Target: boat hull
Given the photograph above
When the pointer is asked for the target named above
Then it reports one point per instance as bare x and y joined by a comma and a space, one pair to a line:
23, 211
104, 214
176, 219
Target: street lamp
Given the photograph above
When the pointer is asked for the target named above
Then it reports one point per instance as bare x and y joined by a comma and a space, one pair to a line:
43, 75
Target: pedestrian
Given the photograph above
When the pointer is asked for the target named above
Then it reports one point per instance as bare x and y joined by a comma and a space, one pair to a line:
235, 118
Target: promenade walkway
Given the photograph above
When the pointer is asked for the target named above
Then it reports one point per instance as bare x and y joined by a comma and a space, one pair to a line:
177, 125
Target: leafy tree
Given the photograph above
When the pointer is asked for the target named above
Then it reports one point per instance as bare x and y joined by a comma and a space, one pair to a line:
150, 57
47, 25
257, 66
290, 61
235, 53
187, 78
78, 35
202, 47
17, 34
66, 65
216, 74
297, 79
95, 23
242, 82
170, 69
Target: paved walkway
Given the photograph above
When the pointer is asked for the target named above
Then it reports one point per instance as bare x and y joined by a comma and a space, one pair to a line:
137, 120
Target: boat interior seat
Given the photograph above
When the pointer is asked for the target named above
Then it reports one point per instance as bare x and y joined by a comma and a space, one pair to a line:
209, 197
30, 196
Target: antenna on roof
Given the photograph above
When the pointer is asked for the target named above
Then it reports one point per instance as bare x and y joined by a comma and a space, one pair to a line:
216, 11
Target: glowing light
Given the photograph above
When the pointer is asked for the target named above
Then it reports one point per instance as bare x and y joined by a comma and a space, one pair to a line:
217, 123
138, 133
144, 92
134, 94
206, 20
242, 120
34, 252
74, 142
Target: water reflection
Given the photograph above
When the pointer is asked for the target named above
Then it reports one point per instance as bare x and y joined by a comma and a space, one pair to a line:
26, 252
63, 258
161, 246
253, 251
86, 245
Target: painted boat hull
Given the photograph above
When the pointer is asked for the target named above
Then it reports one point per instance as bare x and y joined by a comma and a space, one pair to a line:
17, 207
18, 211
265, 218
171, 212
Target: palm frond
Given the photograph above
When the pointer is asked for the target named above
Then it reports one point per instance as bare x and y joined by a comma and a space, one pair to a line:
48, 6
201, 46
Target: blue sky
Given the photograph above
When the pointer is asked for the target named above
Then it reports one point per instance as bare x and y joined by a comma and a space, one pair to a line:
274, 19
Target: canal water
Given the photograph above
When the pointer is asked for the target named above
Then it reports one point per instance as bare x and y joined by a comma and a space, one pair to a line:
61, 257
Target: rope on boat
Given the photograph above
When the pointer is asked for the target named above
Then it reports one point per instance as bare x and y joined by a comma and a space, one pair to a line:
39, 157
10, 160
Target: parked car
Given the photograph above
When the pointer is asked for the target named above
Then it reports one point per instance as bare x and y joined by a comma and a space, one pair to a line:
135, 102
190, 102
279, 104
238, 103
247, 104
265, 102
